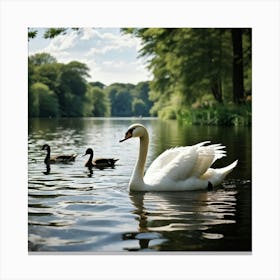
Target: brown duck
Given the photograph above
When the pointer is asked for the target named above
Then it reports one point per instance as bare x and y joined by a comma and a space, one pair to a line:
99, 162
58, 158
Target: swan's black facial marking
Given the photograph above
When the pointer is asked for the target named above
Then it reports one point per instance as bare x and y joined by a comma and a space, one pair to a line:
128, 134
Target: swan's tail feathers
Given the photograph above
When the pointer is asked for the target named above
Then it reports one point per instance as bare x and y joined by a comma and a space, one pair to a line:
201, 144
226, 170
217, 175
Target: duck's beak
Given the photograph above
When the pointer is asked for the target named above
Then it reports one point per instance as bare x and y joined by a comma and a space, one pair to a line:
127, 136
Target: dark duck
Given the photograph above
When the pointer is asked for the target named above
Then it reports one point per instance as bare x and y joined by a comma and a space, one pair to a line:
98, 162
57, 158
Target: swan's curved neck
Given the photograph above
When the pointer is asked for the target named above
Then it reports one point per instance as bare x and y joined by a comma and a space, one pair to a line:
138, 173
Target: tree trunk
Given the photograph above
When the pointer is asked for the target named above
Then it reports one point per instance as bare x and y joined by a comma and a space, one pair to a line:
215, 63
237, 75
217, 90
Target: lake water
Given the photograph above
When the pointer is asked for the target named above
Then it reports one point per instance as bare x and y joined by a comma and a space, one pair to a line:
74, 210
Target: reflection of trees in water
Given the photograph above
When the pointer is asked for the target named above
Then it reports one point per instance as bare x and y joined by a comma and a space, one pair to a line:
51, 129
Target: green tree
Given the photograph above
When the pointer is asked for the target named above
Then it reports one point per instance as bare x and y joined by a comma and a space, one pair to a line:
41, 59
49, 32
49, 74
97, 103
187, 64
97, 84
141, 104
43, 102
43, 69
31, 98
121, 99
72, 88
66, 81
240, 57
123, 104
138, 107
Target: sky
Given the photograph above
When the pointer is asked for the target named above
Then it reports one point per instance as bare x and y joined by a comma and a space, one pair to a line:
111, 56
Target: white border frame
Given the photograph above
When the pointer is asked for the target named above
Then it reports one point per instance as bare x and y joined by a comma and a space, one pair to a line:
262, 16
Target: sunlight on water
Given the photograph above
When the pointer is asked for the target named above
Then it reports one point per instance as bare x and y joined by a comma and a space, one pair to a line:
73, 209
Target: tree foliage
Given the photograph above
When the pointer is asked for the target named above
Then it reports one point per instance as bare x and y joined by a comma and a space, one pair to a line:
49, 33
190, 63
66, 81
44, 102
65, 86
98, 103
207, 69
129, 100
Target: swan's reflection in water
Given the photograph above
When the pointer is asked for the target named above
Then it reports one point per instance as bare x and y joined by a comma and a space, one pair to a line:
190, 219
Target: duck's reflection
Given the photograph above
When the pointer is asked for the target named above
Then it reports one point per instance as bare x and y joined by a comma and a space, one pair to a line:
48, 169
90, 172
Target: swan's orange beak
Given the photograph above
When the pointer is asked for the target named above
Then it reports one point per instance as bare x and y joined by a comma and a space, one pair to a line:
127, 136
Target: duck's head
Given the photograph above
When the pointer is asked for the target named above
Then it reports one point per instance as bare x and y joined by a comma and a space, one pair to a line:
45, 147
89, 151
135, 130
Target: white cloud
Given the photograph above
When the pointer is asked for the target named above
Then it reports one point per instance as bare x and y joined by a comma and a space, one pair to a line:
88, 34
110, 56
112, 71
62, 42
102, 50
112, 42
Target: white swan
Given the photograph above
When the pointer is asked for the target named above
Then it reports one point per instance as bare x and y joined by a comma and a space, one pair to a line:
176, 169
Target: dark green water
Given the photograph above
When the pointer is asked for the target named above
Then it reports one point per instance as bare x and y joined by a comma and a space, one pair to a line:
71, 209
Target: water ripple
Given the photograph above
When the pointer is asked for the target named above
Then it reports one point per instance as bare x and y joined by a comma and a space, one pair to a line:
72, 209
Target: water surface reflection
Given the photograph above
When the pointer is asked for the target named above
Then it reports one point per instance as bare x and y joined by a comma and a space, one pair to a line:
73, 208
182, 217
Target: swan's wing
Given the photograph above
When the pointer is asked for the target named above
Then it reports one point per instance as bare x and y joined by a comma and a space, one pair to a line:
163, 159
207, 155
183, 162
174, 164
168, 156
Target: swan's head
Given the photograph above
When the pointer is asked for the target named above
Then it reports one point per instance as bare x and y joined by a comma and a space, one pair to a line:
135, 130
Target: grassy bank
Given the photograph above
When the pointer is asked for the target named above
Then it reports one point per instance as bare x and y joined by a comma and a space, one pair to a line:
217, 115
